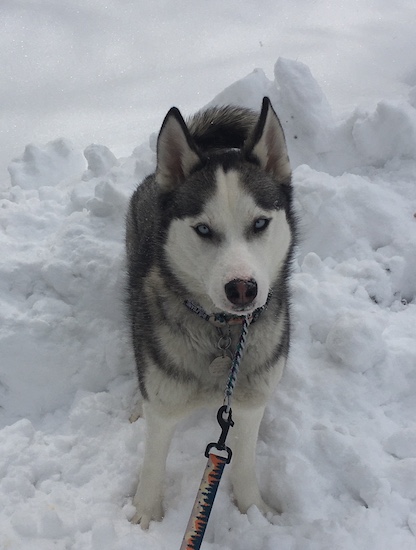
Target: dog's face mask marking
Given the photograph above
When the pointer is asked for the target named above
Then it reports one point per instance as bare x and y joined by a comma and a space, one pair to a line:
230, 252
228, 236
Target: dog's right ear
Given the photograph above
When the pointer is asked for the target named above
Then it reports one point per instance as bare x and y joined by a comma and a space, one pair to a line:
267, 144
177, 154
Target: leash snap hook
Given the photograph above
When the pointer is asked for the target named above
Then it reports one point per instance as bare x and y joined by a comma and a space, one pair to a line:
225, 420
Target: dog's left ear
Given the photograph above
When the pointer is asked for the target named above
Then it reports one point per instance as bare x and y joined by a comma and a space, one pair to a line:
267, 144
177, 154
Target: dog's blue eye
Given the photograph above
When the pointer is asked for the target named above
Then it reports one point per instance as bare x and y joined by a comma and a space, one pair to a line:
203, 230
261, 224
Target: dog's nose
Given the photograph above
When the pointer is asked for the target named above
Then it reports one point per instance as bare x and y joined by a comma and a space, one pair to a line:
241, 293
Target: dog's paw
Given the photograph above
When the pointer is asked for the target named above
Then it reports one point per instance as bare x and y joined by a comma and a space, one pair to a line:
137, 412
144, 515
266, 510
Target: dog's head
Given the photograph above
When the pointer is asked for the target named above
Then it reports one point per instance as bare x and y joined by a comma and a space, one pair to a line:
226, 213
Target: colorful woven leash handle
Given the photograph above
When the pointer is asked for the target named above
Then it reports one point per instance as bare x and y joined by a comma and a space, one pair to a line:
203, 503
209, 484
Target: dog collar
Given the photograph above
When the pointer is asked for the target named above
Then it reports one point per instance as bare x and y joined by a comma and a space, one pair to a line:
223, 319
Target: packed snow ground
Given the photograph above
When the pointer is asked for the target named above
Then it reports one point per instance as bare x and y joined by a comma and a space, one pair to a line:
337, 446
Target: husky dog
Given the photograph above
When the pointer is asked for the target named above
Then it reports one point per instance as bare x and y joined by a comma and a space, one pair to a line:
212, 226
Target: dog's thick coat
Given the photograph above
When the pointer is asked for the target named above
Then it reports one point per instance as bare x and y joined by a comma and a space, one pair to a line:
215, 225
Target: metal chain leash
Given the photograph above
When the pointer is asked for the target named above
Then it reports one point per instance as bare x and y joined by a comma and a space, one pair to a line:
235, 366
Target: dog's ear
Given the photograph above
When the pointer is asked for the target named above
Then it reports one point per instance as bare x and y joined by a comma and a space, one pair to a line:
176, 152
267, 145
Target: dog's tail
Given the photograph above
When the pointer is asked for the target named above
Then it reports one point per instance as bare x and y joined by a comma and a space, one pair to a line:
222, 127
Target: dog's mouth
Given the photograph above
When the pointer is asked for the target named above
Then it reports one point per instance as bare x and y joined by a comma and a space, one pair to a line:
242, 310
235, 315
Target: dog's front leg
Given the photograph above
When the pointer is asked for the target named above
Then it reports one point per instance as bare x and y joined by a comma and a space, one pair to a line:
149, 494
243, 444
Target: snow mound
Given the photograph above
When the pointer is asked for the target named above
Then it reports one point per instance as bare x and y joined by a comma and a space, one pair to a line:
46, 166
337, 444
387, 133
356, 341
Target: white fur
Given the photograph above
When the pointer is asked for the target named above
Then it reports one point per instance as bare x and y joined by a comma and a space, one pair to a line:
204, 267
161, 423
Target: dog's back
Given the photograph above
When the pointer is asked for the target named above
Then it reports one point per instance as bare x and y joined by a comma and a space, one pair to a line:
221, 127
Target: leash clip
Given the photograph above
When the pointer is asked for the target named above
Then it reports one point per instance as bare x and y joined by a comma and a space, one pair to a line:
224, 417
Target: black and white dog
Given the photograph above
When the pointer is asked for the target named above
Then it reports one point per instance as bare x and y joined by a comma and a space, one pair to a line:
213, 225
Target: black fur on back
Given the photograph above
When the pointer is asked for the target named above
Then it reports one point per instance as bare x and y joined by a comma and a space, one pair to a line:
224, 127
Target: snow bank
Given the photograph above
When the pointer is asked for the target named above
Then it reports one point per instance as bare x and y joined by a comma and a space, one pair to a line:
337, 444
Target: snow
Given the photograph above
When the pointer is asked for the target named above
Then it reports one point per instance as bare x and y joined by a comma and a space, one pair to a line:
337, 445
